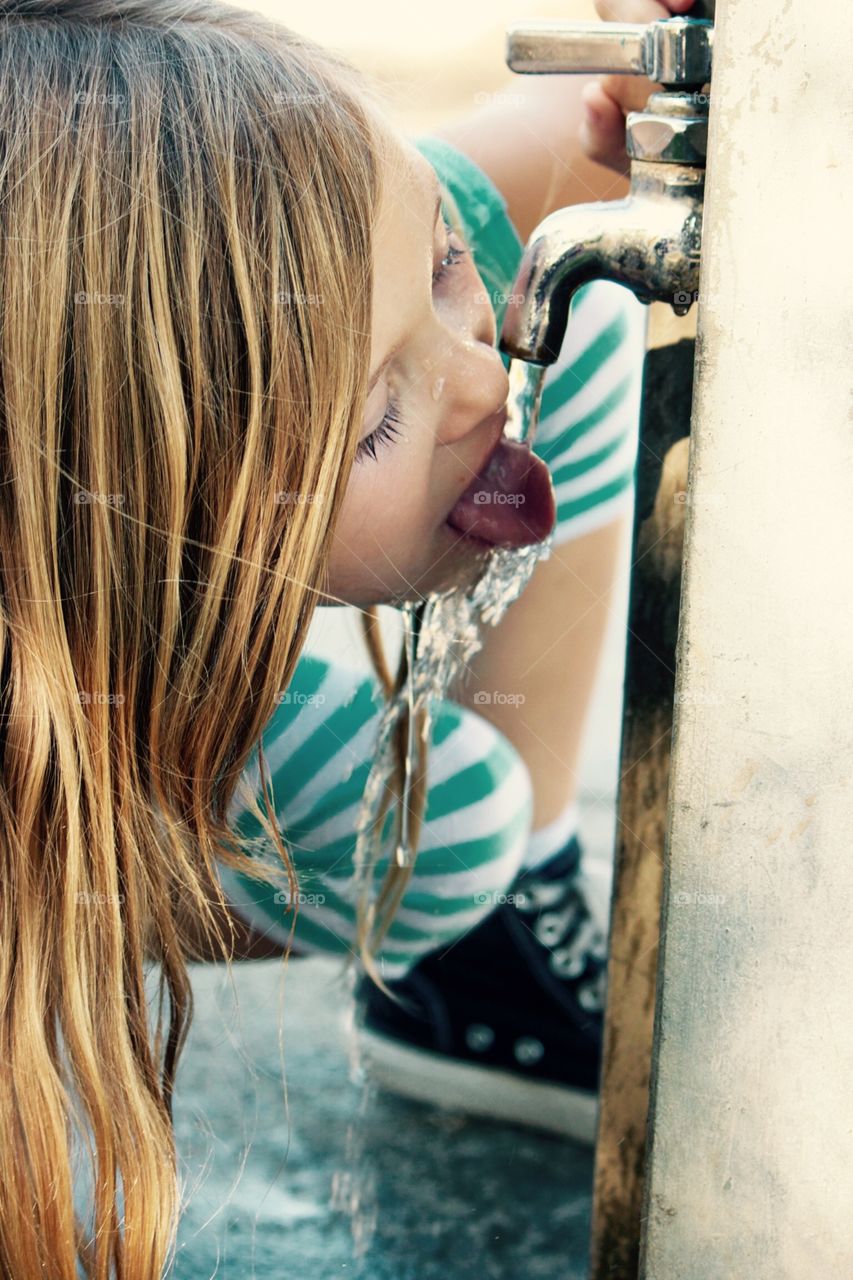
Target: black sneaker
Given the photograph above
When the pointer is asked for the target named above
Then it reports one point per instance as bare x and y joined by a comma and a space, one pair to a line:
507, 1021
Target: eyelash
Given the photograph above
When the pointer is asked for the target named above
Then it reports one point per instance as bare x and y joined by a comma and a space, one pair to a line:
387, 430
453, 256
384, 433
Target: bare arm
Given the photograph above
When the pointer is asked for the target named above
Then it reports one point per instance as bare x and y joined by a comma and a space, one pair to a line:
529, 140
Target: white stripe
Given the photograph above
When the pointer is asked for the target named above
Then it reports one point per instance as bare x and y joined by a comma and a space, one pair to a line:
278, 749
626, 360
610, 468
589, 399
471, 741
594, 518
485, 817
439, 927
338, 686
336, 771
491, 875
490, 879
344, 928
620, 426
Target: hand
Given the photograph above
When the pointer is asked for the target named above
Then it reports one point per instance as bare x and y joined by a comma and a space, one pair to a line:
608, 99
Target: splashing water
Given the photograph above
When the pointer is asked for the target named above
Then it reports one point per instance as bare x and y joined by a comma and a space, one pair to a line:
441, 633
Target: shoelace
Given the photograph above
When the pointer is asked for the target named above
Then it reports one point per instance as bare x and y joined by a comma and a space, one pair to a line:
564, 925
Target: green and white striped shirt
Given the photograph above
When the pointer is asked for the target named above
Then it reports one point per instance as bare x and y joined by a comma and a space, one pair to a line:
319, 743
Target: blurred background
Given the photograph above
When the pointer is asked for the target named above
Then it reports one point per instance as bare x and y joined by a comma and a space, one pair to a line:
431, 61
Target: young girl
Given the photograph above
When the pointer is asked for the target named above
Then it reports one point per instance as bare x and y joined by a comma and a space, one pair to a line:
223, 281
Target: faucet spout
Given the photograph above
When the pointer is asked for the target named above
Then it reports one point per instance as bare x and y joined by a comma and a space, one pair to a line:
649, 242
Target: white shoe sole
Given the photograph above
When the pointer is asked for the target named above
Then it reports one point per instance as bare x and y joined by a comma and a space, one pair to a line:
483, 1091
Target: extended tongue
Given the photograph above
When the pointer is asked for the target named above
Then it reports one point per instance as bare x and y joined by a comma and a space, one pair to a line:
511, 503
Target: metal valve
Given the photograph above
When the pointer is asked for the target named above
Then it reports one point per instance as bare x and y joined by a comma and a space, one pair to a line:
674, 52
649, 242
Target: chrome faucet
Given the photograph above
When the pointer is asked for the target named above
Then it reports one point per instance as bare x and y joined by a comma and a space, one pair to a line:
650, 241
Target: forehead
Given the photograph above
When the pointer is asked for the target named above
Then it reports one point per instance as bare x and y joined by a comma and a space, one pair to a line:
408, 188
403, 245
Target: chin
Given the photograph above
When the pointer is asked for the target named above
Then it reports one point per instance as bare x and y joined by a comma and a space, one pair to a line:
456, 560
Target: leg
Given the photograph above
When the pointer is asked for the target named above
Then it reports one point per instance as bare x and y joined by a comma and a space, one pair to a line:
546, 650
318, 746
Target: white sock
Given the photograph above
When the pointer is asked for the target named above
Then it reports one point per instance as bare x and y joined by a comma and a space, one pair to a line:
546, 841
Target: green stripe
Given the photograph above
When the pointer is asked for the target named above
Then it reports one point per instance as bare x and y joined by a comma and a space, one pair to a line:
332, 803
448, 716
576, 507
572, 470
349, 791
309, 674
561, 443
579, 372
468, 785
307, 678
441, 861
335, 733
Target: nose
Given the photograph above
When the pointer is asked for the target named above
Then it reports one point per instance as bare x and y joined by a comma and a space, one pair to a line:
475, 380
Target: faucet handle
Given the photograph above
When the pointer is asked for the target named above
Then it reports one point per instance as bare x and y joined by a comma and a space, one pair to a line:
671, 51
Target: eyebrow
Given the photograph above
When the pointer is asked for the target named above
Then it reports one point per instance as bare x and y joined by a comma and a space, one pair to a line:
391, 354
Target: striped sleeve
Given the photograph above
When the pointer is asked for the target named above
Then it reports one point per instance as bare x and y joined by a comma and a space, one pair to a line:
588, 430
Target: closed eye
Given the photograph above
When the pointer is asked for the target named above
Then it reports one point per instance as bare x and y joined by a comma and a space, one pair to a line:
388, 427
383, 434
454, 254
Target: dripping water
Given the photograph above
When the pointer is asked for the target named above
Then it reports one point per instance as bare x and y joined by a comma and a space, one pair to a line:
411, 626
440, 634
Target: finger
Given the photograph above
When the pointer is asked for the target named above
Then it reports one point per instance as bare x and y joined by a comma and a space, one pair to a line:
602, 128
632, 10
642, 11
630, 93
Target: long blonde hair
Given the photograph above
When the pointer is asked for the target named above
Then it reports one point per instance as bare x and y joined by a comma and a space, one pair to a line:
187, 193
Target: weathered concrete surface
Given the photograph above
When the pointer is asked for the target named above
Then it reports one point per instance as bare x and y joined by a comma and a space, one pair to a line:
750, 1169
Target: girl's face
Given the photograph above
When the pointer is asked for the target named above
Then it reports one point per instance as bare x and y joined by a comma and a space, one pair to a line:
435, 410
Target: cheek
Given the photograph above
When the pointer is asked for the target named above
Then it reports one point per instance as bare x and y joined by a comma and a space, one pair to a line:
391, 500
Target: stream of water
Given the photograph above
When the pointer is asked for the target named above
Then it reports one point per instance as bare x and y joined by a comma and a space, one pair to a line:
441, 633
